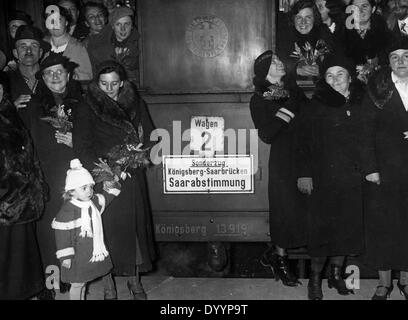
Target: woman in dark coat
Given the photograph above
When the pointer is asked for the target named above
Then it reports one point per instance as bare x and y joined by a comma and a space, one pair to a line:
116, 114
332, 13
56, 94
304, 26
329, 172
385, 164
368, 43
22, 196
274, 109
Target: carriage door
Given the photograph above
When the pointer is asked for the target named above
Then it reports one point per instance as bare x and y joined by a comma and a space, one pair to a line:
210, 179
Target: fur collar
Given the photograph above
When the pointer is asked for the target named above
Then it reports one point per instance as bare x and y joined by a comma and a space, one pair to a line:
330, 97
46, 98
381, 87
122, 113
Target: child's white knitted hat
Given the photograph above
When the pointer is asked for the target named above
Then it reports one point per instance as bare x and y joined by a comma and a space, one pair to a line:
77, 176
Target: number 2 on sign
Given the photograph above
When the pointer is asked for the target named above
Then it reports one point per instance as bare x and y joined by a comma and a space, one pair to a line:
207, 136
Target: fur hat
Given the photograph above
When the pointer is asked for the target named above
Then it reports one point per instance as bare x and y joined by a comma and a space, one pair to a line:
400, 43
338, 60
77, 176
262, 64
55, 59
119, 13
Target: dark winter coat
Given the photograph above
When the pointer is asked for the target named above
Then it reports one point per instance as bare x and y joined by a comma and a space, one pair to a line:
329, 153
385, 150
54, 158
104, 46
18, 85
373, 45
22, 196
22, 187
128, 221
286, 204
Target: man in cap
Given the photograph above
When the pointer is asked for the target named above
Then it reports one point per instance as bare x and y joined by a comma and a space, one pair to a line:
28, 51
17, 18
119, 41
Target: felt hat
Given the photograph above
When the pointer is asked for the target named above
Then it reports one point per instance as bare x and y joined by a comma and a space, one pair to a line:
119, 13
30, 32
77, 176
55, 59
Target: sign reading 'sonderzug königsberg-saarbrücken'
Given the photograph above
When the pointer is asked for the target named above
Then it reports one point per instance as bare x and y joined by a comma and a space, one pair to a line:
219, 174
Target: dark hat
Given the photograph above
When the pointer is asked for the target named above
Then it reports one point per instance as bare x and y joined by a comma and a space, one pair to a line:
340, 60
262, 64
398, 43
55, 59
21, 16
119, 13
30, 32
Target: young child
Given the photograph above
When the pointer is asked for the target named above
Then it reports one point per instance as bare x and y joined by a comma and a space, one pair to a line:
79, 232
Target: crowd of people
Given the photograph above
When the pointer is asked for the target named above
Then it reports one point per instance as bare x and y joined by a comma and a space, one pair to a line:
337, 173
83, 74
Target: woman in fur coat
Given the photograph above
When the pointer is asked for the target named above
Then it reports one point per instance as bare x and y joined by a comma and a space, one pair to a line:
329, 171
116, 114
385, 166
57, 96
22, 195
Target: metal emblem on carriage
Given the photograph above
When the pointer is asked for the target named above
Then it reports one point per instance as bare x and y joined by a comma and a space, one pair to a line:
207, 36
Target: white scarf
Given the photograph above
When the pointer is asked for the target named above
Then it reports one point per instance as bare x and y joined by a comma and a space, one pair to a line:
99, 250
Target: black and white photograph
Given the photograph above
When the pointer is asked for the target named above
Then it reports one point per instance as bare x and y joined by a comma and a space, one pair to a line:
203, 156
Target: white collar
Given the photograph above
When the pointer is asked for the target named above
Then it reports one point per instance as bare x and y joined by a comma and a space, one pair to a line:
398, 80
332, 27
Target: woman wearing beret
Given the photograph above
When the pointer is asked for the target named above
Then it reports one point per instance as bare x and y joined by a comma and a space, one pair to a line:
22, 195
329, 172
274, 109
385, 166
117, 115
58, 97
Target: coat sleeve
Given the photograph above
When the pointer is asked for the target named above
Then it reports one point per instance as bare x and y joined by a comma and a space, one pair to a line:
82, 137
270, 119
368, 118
303, 142
64, 225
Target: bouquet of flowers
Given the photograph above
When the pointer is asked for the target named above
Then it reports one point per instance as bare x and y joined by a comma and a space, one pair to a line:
119, 160
59, 118
365, 70
309, 55
275, 92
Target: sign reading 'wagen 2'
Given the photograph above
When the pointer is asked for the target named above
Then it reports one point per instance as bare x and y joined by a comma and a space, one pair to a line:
219, 174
